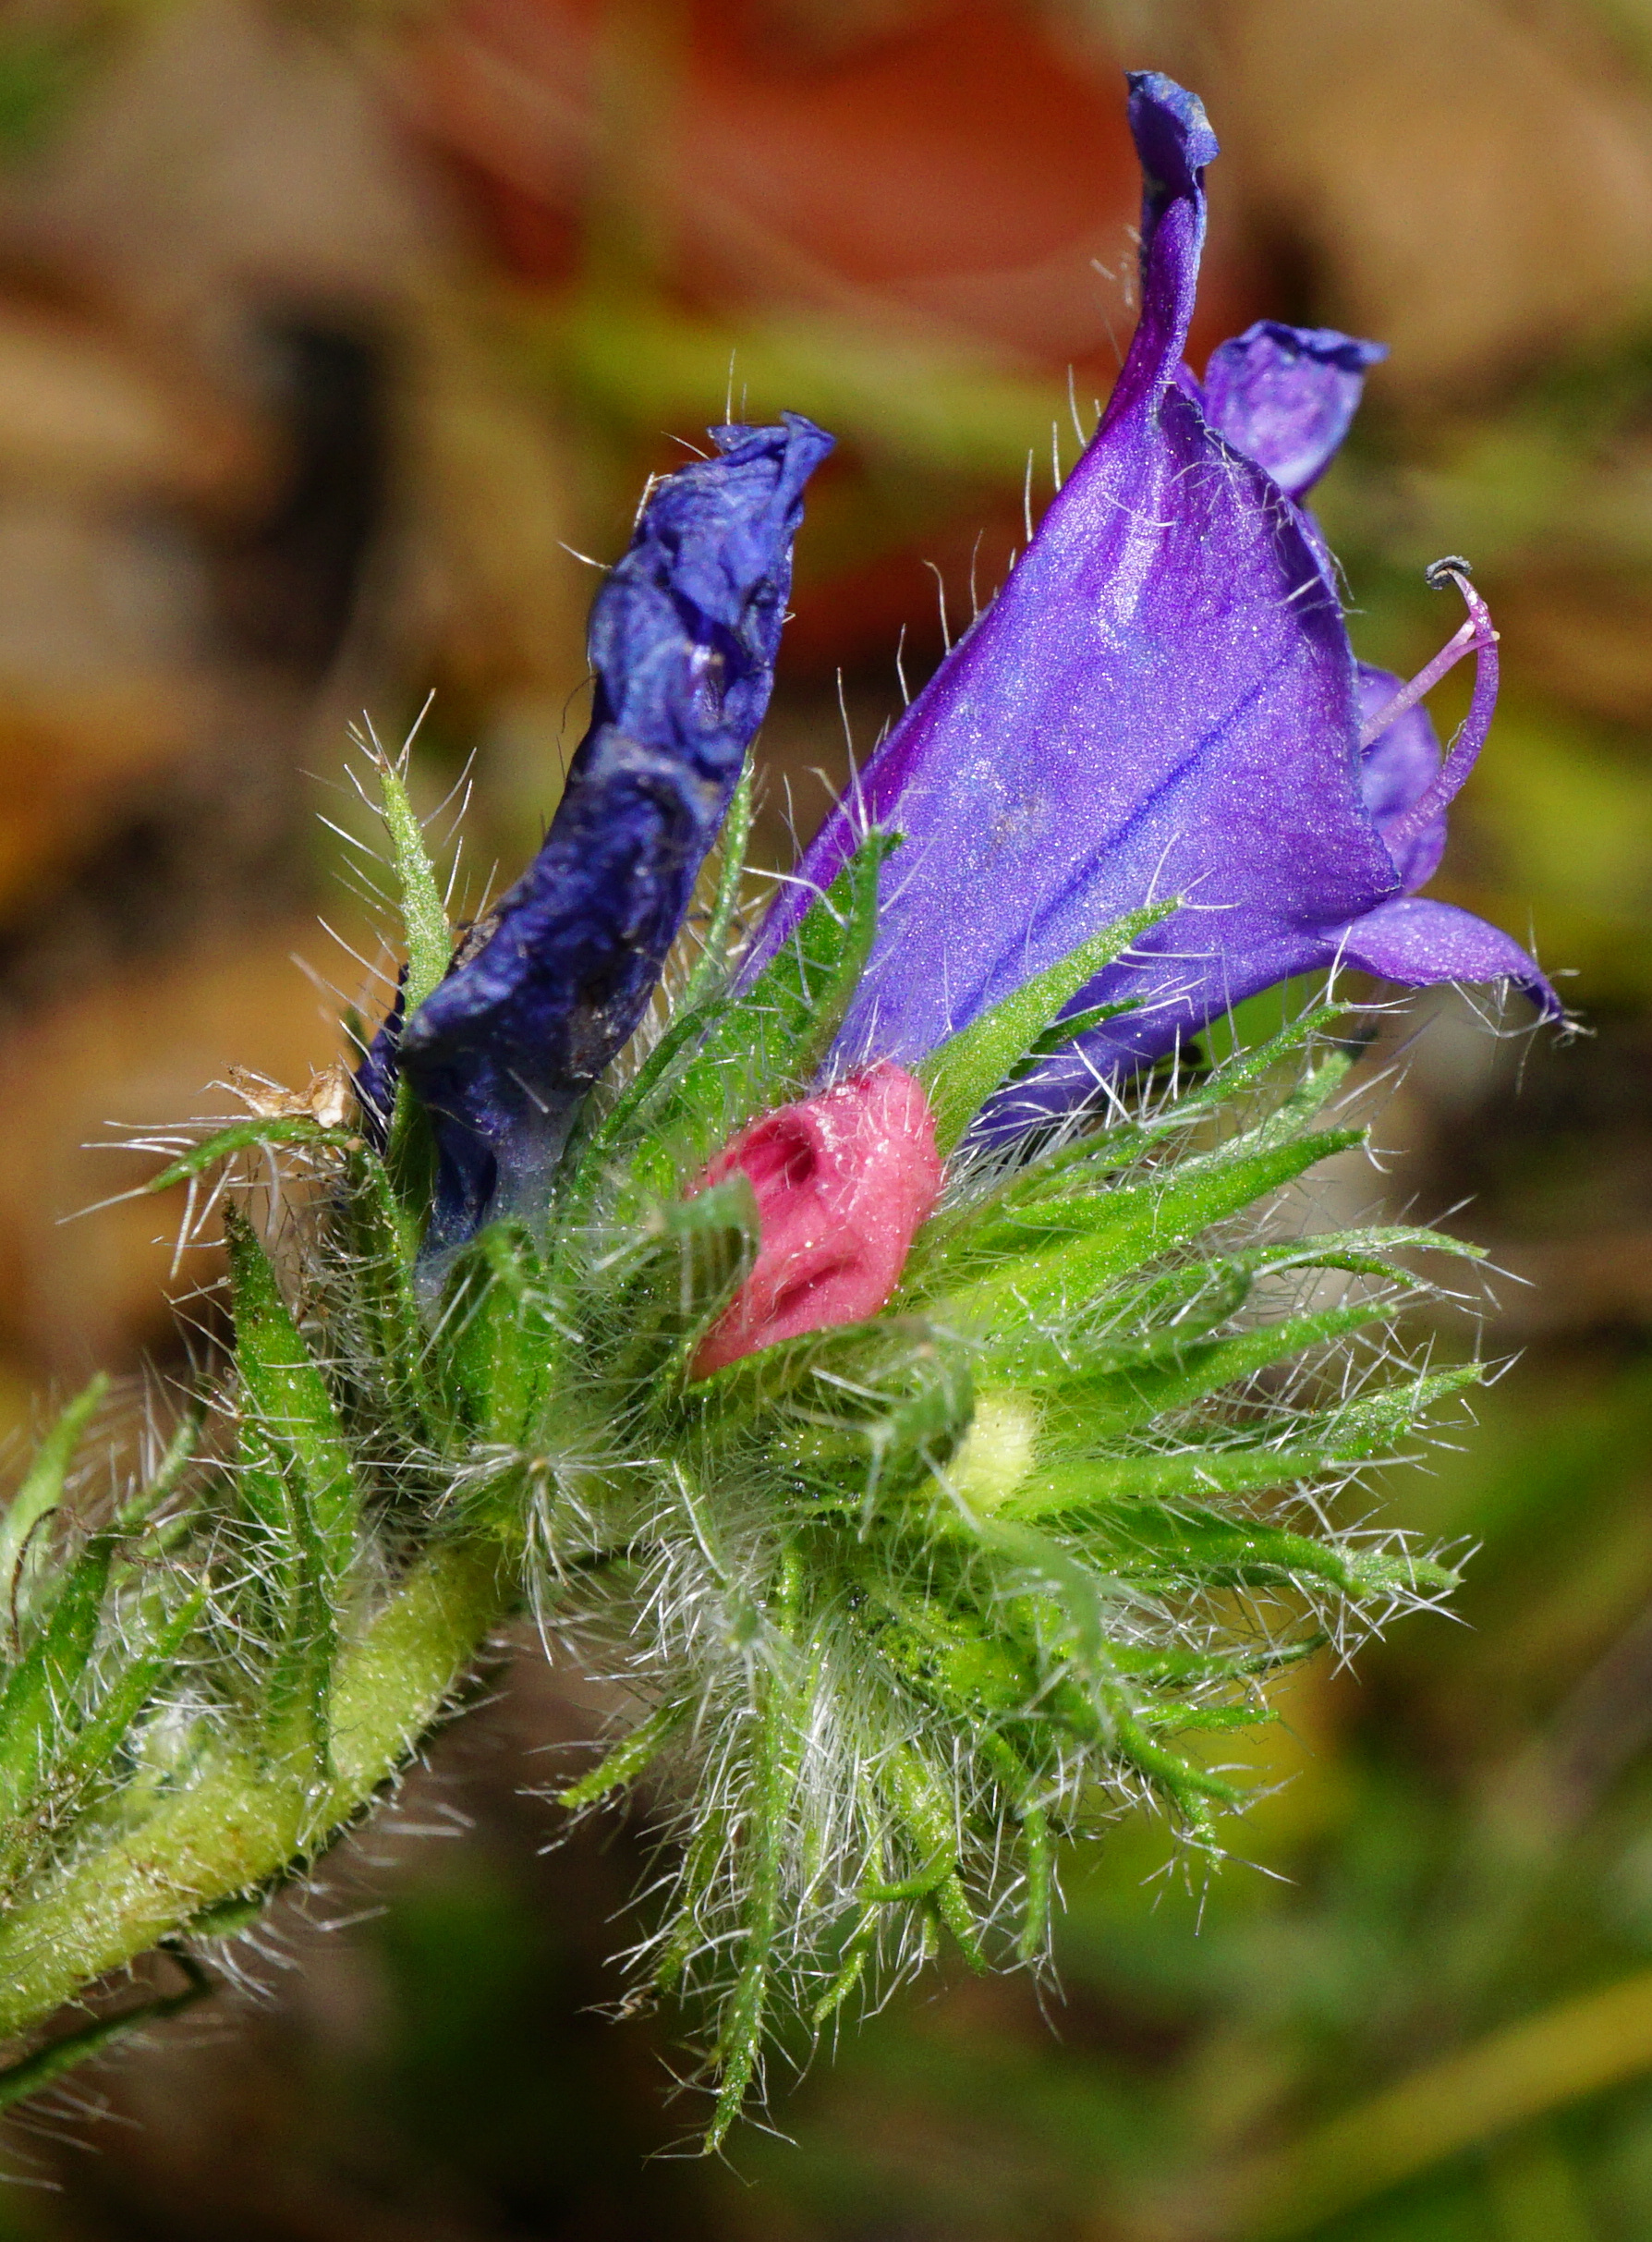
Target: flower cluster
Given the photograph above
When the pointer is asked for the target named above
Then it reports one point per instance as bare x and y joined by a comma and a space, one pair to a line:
916, 1400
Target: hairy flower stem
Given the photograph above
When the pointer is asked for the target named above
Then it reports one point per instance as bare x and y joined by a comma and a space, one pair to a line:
241, 1823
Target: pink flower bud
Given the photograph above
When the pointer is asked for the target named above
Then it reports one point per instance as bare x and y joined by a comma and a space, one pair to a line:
842, 1182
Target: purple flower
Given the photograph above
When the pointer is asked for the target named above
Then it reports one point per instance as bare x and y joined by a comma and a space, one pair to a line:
1162, 702
683, 639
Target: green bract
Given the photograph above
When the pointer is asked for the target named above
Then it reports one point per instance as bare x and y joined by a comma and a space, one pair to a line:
899, 1605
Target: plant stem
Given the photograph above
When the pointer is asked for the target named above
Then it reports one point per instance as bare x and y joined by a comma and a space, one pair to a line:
243, 1821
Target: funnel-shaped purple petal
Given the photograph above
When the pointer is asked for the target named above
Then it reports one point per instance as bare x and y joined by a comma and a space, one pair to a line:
1161, 701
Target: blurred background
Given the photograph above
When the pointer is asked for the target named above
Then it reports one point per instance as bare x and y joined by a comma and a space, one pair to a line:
331, 334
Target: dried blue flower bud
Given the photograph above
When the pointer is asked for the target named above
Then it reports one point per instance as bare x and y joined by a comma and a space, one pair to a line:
376, 1074
683, 638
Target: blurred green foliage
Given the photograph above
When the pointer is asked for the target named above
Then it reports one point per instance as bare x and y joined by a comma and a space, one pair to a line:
43, 67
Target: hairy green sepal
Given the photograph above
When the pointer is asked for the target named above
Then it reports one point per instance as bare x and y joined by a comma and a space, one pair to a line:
902, 1605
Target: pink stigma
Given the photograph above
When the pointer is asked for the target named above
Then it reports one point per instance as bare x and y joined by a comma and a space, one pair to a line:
842, 1182
1477, 637
1467, 639
1470, 734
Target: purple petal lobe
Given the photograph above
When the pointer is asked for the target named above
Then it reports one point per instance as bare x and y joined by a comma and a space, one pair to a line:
1174, 142
1395, 771
1417, 942
1284, 396
1409, 939
683, 638
1173, 139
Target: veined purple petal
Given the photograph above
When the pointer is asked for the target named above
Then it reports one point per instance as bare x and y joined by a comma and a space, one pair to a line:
683, 638
1161, 701
1285, 396
1409, 939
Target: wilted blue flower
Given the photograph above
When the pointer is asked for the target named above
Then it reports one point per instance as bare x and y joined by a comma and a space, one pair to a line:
1162, 702
377, 1073
683, 641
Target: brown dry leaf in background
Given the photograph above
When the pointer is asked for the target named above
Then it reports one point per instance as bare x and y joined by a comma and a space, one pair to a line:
1473, 182
950, 164
103, 668
237, 288
139, 1049
238, 167
230, 156
486, 600
87, 412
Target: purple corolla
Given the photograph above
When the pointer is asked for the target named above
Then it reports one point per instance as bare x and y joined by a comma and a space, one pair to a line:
684, 636
1163, 702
